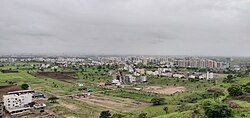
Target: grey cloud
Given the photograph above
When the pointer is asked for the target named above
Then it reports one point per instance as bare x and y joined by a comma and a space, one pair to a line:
164, 27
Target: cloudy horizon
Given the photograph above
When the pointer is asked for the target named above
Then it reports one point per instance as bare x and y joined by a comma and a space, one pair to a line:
144, 27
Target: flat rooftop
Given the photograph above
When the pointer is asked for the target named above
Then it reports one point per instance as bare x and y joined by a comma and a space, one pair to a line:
21, 92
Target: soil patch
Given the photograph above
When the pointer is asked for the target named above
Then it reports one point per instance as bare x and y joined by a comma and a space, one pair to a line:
62, 76
124, 105
243, 98
9, 88
69, 106
164, 90
9, 71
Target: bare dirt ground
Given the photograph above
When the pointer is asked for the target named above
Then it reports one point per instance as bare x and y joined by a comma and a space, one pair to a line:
243, 98
164, 90
8, 88
9, 71
62, 76
124, 105
69, 106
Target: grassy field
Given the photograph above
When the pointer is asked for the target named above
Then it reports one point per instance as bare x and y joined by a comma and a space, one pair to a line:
180, 105
128, 94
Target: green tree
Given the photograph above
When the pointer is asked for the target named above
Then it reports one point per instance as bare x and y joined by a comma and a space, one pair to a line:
158, 101
53, 99
105, 114
235, 90
217, 110
165, 109
25, 86
216, 92
229, 79
143, 115
246, 87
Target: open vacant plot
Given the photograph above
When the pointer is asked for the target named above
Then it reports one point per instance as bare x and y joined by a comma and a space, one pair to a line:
164, 90
8, 88
124, 105
57, 75
69, 106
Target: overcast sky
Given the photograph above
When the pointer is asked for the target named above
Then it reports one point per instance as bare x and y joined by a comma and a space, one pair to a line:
152, 27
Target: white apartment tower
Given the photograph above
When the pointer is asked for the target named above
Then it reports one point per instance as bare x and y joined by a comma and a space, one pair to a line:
17, 102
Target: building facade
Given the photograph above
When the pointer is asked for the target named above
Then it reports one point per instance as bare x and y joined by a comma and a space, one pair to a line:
1, 109
18, 101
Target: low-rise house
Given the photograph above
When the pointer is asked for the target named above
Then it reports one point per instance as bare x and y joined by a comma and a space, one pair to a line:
116, 82
130, 78
38, 96
165, 69
191, 77
143, 79
39, 107
178, 75
156, 73
202, 76
149, 72
168, 74
210, 75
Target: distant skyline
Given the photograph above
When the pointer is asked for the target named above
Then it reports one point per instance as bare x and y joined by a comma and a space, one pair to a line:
125, 27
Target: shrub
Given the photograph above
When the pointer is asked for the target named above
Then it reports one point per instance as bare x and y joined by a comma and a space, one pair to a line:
165, 109
235, 90
158, 101
217, 110
25, 86
229, 79
53, 99
105, 114
142, 115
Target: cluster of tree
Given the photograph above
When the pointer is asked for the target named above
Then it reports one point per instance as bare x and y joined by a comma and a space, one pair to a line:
148, 66
158, 101
53, 99
210, 93
143, 115
107, 114
25, 86
229, 79
217, 110
10, 82
204, 70
244, 73
237, 90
